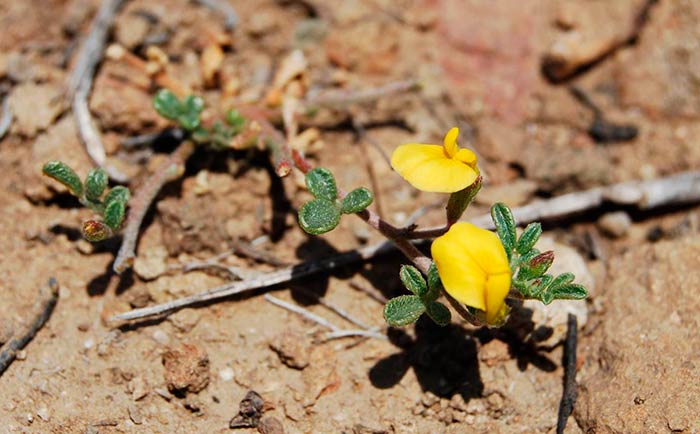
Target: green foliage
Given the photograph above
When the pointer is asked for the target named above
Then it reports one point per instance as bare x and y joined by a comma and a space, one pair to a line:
406, 309
185, 112
356, 201
235, 121
111, 210
505, 226
319, 216
459, 201
403, 310
95, 184
529, 265
322, 214
65, 175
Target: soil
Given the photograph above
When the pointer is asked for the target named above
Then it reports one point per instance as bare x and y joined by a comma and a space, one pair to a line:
483, 67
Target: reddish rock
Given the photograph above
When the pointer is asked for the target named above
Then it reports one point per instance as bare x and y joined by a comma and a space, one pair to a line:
186, 368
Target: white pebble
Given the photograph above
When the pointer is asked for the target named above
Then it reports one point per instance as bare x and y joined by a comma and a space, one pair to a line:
161, 337
226, 374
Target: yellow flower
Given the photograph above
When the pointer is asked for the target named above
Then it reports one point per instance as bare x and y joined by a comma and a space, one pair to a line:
474, 269
435, 168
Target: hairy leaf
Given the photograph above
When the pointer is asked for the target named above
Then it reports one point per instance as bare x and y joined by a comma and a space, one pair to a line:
167, 104
319, 216
95, 184
439, 313
114, 214
403, 310
571, 291
413, 280
321, 184
505, 226
65, 175
529, 238
357, 200
118, 194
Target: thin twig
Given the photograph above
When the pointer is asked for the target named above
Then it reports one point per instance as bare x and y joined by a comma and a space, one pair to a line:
303, 312
224, 7
569, 394
248, 250
5, 117
335, 309
171, 169
48, 296
371, 292
91, 50
263, 280
354, 333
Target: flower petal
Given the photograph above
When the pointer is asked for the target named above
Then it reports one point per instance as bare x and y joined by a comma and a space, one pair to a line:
461, 276
450, 142
497, 288
427, 168
483, 246
467, 157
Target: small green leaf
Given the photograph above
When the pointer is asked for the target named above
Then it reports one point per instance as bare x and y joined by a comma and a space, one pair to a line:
167, 104
460, 200
434, 284
192, 107
321, 184
571, 291
541, 286
94, 230
95, 184
413, 280
403, 310
529, 238
536, 266
65, 175
505, 226
319, 216
562, 279
439, 313
235, 120
356, 201
114, 214
118, 194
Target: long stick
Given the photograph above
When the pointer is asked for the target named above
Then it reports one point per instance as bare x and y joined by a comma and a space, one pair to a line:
48, 296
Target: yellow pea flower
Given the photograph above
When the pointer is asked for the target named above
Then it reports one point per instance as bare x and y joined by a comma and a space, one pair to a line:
435, 168
474, 269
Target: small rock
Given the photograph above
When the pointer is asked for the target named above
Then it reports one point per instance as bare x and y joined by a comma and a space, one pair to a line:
226, 374
138, 387
615, 224
89, 343
150, 264
84, 247
249, 411
35, 107
429, 399
185, 320
131, 29
270, 425
135, 414
186, 368
161, 337
21, 355
292, 349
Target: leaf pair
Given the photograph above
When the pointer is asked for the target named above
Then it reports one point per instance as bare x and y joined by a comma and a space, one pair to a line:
529, 265
322, 214
406, 309
185, 112
112, 209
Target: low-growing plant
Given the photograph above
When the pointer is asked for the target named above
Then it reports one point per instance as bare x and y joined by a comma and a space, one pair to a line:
474, 269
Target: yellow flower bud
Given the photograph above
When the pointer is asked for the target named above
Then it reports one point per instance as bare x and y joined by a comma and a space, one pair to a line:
435, 168
474, 269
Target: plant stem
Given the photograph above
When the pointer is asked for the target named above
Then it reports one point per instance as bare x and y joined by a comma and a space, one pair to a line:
170, 170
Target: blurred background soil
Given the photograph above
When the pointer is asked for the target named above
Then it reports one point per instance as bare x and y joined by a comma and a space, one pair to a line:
509, 73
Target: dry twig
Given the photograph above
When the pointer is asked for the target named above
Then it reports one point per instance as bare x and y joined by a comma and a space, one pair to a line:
303, 312
170, 170
48, 296
569, 394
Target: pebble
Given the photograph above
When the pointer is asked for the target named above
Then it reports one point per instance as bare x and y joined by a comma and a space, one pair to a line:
615, 224
135, 414
89, 343
150, 264
226, 374
161, 337
138, 387
292, 349
21, 355
186, 368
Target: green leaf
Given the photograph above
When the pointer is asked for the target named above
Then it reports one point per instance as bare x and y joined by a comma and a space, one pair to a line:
541, 286
235, 120
321, 184
319, 216
94, 230
167, 104
571, 291
95, 184
536, 266
65, 175
356, 201
505, 226
413, 280
118, 194
439, 313
403, 310
460, 200
192, 107
561, 280
114, 214
434, 284
529, 238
